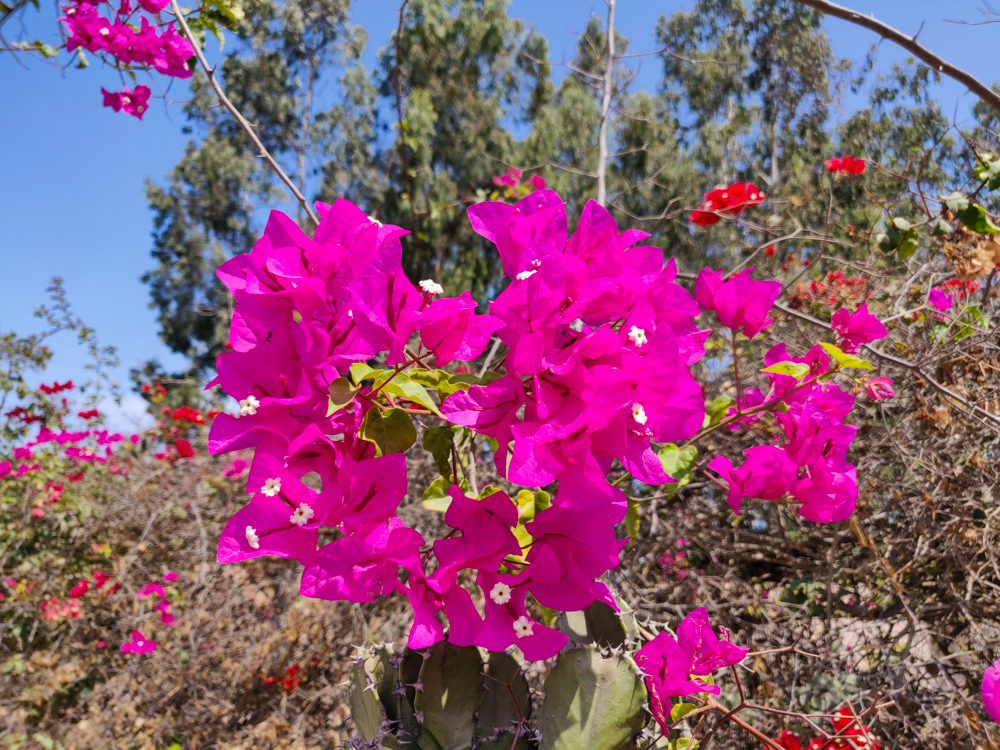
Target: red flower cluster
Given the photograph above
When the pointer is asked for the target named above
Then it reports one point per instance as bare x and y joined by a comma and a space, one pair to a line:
19, 412
731, 199
156, 391
834, 289
845, 165
91, 414
959, 289
289, 682
56, 387
185, 413
857, 736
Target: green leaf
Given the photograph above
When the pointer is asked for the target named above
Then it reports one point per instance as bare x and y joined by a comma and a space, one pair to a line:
438, 441
684, 743
392, 432
678, 464
452, 693
956, 202
940, 228
44, 740
988, 170
901, 224
592, 702
342, 393
83, 60
716, 409
909, 245
797, 370
402, 386
974, 217
632, 519
681, 710
360, 372
846, 360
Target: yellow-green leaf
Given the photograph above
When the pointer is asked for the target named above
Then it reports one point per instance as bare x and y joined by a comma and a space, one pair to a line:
844, 359
797, 370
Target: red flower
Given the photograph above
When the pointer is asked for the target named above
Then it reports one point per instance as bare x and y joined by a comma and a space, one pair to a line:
183, 448
845, 165
91, 414
56, 387
728, 199
769, 250
100, 578
80, 589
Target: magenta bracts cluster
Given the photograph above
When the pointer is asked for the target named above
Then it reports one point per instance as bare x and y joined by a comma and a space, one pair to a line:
151, 47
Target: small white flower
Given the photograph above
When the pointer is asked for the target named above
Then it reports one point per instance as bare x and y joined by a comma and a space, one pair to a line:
500, 593
638, 413
248, 406
431, 287
523, 627
526, 275
374, 221
637, 336
302, 515
271, 487
104, 32
252, 539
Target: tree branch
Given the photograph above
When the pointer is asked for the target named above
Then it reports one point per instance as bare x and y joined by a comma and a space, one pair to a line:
908, 43
263, 153
602, 139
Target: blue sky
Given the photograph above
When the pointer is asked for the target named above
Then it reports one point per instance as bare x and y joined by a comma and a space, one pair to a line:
71, 200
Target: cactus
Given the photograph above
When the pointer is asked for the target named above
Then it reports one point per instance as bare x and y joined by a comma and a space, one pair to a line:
463, 698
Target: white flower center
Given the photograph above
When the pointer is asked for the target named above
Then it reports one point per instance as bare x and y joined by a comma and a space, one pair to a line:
302, 515
523, 627
252, 539
638, 413
126, 100
374, 221
526, 275
248, 406
637, 336
500, 593
271, 487
104, 32
431, 287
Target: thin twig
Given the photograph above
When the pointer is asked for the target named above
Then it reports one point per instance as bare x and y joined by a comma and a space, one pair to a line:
263, 153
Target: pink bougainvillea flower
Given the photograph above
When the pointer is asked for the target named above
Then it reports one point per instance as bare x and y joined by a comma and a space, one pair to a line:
537, 182
153, 6
485, 527
767, 474
740, 302
165, 615
100, 578
939, 300
991, 691
139, 644
829, 493
506, 621
879, 388
130, 102
151, 589
361, 566
675, 667
858, 328
237, 467
429, 595
170, 576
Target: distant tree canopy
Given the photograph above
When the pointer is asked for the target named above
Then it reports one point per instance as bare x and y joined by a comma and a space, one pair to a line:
748, 92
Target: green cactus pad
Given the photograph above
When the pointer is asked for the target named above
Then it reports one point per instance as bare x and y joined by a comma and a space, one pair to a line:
452, 691
500, 709
592, 702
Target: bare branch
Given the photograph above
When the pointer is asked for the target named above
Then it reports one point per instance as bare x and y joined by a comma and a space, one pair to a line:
908, 43
602, 139
262, 152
